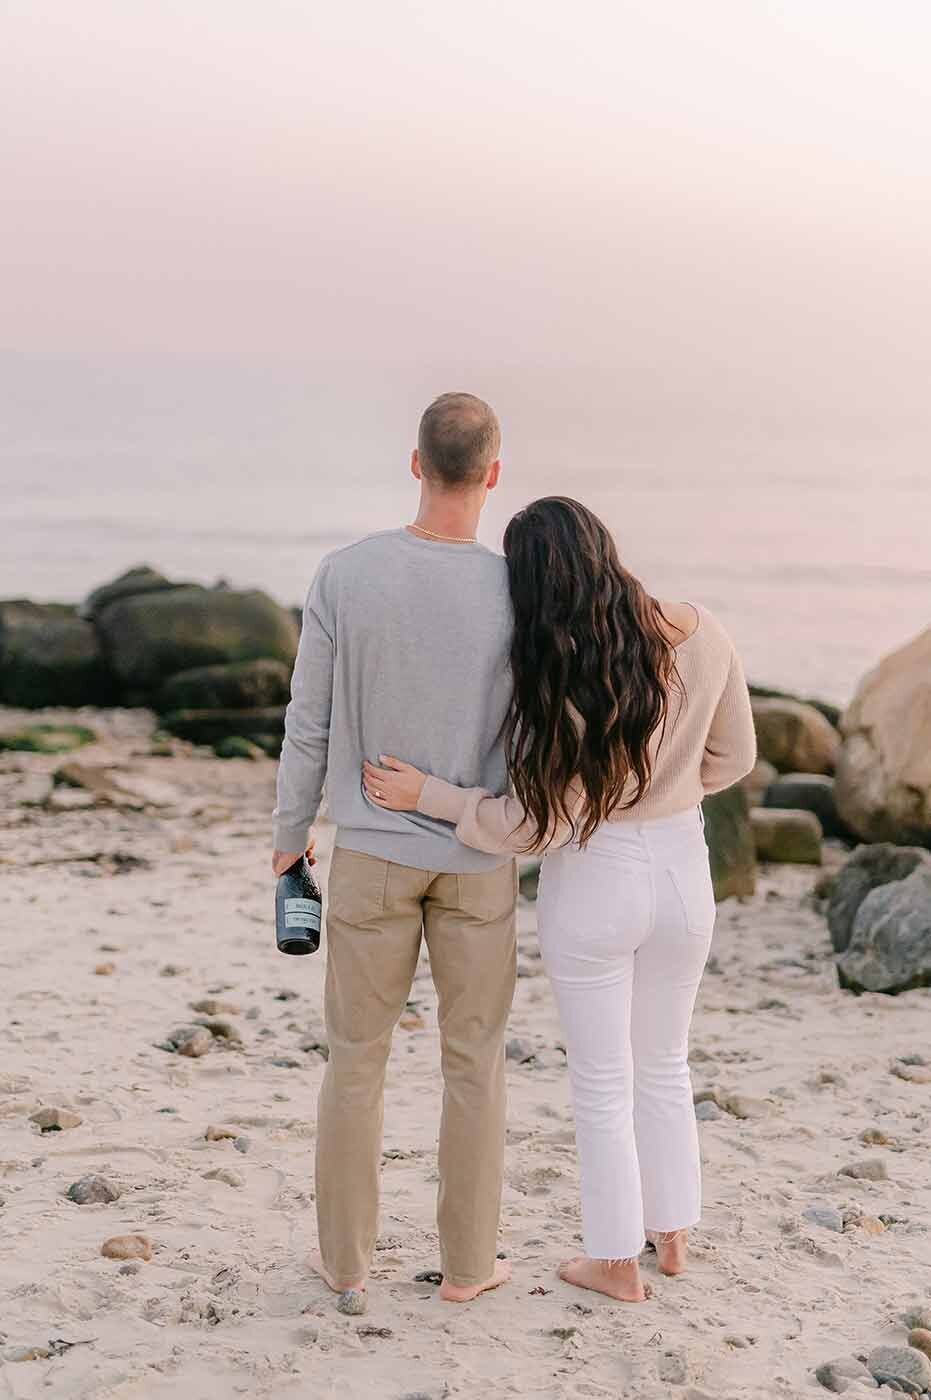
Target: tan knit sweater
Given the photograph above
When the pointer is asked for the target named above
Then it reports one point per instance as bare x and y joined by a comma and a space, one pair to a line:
709, 743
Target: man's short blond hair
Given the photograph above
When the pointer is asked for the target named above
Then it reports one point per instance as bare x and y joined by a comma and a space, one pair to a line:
459, 439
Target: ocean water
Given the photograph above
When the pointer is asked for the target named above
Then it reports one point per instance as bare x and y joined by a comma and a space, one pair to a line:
811, 545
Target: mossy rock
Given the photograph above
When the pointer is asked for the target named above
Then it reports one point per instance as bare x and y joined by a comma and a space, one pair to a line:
212, 726
141, 579
236, 746
786, 836
50, 656
152, 636
731, 846
48, 738
241, 684
831, 712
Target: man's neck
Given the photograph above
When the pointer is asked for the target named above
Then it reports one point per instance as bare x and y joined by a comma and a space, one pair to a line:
451, 517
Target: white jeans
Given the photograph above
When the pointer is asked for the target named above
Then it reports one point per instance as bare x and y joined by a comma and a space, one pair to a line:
625, 928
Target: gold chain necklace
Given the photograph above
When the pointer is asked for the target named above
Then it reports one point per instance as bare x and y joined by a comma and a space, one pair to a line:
446, 539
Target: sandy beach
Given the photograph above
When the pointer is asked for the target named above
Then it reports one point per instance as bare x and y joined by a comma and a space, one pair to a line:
117, 920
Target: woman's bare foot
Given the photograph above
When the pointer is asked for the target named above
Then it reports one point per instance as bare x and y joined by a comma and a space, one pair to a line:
316, 1263
618, 1278
672, 1247
451, 1294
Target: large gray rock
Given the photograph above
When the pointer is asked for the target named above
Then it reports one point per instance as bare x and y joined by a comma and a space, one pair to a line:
890, 946
810, 792
786, 837
909, 1368
141, 579
865, 870
240, 685
795, 737
731, 846
50, 656
152, 636
884, 767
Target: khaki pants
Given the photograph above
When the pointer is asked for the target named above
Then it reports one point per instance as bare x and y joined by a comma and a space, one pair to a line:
377, 913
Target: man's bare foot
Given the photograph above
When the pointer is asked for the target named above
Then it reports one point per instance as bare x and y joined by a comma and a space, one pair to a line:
451, 1294
672, 1247
316, 1263
618, 1278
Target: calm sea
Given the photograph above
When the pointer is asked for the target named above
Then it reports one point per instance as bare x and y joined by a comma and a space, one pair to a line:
812, 546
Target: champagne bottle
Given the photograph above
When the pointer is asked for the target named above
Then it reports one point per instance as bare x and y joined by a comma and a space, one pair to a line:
298, 909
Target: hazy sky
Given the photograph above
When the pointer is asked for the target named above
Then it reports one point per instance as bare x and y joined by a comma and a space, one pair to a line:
725, 196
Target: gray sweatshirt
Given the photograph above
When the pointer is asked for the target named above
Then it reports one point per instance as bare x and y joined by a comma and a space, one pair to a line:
404, 651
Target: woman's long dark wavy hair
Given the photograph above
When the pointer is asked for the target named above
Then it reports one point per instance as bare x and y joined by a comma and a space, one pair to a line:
592, 669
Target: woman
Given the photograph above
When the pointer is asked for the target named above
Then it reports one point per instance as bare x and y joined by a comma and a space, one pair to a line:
626, 713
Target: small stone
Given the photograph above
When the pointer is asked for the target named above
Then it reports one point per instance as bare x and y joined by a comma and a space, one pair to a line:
428, 1276
411, 1020
909, 1368
224, 1174
285, 1062
837, 1376
128, 1269
93, 1190
869, 1169
192, 1041
222, 1029
920, 1339
105, 969
563, 1334
127, 1247
368, 1330
707, 1111
918, 1317
824, 1216
353, 1302
212, 1006
55, 1120
913, 1073
241, 1144
218, 1132
519, 1051
25, 1353
870, 1225
875, 1137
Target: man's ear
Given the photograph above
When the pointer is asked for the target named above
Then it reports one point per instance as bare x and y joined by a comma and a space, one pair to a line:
493, 475
415, 465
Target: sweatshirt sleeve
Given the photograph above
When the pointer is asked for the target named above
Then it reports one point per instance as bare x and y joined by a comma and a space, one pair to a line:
730, 747
498, 825
302, 767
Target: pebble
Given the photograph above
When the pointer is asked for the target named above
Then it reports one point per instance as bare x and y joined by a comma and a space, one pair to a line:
875, 1137
908, 1367
913, 1073
105, 969
192, 1041
520, 1051
93, 1190
827, 1217
353, 1302
218, 1132
225, 1174
241, 1144
368, 1330
869, 1224
920, 1338
222, 1029
837, 1375
25, 1353
869, 1169
55, 1120
211, 1006
127, 1247
707, 1111
918, 1317
128, 1269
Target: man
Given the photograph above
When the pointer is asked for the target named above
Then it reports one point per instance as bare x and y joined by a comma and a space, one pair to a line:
404, 649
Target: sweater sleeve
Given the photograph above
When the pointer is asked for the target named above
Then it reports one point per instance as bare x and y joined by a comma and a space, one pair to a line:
498, 825
730, 747
302, 767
